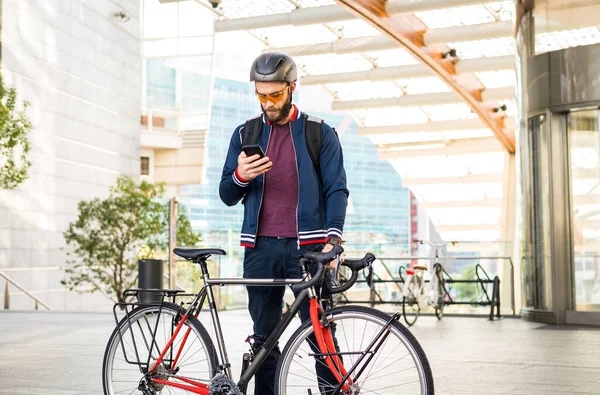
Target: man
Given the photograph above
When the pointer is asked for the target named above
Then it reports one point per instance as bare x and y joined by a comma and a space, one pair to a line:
290, 208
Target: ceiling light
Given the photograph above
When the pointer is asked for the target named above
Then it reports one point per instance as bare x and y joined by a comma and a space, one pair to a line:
121, 17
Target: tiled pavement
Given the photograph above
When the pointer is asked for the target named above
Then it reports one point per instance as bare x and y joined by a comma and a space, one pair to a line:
61, 353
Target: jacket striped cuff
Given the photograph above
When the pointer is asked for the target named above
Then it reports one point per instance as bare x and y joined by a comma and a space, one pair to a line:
247, 240
312, 236
239, 180
333, 232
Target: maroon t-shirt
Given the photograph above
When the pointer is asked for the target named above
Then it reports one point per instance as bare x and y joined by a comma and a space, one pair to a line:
280, 200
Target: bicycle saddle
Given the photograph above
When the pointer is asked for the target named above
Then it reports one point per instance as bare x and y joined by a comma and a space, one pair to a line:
197, 254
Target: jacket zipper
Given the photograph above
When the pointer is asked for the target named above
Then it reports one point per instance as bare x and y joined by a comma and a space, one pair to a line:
298, 201
262, 194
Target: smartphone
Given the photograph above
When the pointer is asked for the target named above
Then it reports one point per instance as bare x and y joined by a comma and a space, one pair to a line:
253, 150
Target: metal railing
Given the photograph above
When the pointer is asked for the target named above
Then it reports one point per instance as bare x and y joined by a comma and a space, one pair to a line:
23, 290
376, 298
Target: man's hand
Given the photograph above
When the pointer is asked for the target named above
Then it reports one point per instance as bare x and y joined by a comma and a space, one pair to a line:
250, 168
331, 265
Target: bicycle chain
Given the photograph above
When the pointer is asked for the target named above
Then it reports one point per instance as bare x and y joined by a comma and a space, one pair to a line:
184, 377
220, 385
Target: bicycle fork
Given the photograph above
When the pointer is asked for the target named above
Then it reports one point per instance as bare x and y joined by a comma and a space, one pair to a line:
327, 346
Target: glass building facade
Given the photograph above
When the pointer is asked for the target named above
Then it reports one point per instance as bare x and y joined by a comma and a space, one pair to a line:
378, 216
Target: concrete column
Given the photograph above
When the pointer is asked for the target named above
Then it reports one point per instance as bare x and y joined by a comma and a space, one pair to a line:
506, 271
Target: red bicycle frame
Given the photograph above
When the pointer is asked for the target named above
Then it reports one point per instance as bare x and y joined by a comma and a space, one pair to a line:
322, 335
196, 387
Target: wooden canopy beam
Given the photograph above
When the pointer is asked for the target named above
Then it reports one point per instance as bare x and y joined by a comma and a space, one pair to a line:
408, 31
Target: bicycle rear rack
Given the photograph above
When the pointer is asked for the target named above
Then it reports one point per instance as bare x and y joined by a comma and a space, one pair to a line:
165, 295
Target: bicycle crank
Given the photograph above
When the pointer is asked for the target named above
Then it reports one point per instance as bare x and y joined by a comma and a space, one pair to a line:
222, 385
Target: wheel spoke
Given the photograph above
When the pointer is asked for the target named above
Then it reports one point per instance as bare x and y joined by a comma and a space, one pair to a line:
398, 363
197, 359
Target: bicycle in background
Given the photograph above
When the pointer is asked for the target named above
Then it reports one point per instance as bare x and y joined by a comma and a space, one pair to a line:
419, 293
163, 347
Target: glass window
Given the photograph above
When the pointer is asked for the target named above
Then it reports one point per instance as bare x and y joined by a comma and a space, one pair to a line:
536, 241
584, 143
565, 24
542, 226
160, 83
145, 166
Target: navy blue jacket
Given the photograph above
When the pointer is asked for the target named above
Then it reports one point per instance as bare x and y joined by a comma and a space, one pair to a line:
321, 208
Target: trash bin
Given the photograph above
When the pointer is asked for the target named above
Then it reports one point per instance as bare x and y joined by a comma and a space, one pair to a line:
150, 276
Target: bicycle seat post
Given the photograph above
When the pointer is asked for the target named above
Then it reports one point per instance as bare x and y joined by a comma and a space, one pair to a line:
203, 268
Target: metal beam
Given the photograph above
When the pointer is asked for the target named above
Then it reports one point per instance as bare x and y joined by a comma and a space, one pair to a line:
407, 31
433, 126
589, 214
461, 227
591, 225
585, 174
440, 36
441, 143
410, 71
297, 17
426, 99
457, 147
330, 13
586, 199
461, 204
468, 179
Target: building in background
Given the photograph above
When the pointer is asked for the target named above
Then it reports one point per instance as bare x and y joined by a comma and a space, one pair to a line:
78, 64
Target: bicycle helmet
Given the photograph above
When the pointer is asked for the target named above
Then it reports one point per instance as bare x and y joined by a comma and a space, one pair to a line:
274, 66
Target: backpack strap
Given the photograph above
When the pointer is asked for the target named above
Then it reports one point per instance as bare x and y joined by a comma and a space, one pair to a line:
252, 129
313, 131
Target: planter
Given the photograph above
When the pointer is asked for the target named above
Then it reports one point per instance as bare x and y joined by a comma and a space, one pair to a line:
150, 276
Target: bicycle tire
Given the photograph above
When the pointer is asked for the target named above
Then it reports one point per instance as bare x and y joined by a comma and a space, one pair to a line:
439, 292
143, 311
439, 309
409, 302
377, 317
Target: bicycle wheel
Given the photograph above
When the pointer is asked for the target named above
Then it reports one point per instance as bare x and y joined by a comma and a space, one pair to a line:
410, 300
398, 366
121, 374
439, 292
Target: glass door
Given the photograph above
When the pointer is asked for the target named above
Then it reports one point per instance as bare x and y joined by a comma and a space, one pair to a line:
584, 158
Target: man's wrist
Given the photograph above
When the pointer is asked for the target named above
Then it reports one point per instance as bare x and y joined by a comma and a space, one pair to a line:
334, 240
237, 174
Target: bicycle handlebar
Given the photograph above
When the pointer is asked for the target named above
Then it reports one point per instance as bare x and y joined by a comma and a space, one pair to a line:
320, 259
316, 279
326, 257
356, 266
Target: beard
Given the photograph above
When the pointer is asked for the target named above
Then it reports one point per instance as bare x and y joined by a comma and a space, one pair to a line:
281, 113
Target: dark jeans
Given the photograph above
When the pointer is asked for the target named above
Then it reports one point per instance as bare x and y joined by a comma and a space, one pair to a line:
274, 257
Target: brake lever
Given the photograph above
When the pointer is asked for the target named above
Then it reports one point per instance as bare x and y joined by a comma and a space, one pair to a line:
335, 271
369, 276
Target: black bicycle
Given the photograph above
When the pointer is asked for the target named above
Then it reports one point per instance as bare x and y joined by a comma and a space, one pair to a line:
162, 347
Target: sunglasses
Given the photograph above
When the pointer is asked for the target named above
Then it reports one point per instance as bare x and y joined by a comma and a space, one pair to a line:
274, 97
